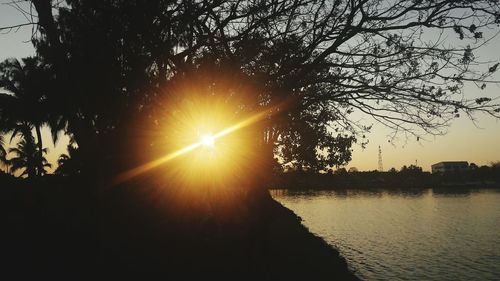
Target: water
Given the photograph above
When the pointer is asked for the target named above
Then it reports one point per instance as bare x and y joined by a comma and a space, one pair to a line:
420, 235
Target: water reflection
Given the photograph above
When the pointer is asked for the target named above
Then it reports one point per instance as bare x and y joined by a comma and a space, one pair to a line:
345, 193
462, 192
379, 192
407, 234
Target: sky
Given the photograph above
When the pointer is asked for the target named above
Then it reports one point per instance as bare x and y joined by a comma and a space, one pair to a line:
477, 142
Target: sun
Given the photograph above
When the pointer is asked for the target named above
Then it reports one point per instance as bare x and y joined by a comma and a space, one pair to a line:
208, 140
204, 142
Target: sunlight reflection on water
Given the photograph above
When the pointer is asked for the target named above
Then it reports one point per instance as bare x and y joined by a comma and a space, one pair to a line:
407, 235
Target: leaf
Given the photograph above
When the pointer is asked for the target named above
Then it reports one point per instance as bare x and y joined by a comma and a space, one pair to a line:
459, 31
493, 68
482, 100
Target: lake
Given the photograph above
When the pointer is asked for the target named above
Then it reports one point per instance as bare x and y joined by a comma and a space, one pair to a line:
421, 234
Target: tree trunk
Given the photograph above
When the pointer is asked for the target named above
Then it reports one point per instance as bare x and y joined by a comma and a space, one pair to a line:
48, 25
39, 161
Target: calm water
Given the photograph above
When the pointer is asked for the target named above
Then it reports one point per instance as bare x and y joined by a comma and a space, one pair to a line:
421, 235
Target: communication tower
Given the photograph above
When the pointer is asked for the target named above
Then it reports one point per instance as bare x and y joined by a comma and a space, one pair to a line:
380, 165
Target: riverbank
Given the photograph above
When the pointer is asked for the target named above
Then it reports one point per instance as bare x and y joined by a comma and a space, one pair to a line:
388, 180
62, 231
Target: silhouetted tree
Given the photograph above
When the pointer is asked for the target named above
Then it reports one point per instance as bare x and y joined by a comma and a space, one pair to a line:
341, 171
353, 170
69, 164
24, 103
3, 152
326, 59
27, 159
412, 169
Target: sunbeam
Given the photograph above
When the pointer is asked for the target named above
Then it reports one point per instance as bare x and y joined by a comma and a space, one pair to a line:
206, 140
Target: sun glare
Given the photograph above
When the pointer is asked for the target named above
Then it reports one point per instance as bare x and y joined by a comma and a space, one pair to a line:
193, 127
208, 140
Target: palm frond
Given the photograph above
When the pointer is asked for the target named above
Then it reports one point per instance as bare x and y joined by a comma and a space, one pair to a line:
3, 152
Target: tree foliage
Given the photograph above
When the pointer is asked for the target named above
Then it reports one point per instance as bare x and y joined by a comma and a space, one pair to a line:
23, 101
412, 169
26, 157
69, 164
3, 152
319, 64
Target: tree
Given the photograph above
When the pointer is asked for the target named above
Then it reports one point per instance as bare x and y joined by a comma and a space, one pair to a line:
26, 158
495, 165
353, 170
310, 64
24, 103
473, 166
341, 171
412, 169
3, 152
69, 164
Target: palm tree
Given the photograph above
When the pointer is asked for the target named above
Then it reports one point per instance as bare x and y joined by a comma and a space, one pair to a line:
26, 84
3, 152
26, 158
68, 164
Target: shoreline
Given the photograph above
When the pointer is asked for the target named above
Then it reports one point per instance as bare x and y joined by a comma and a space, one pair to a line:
322, 258
388, 180
443, 187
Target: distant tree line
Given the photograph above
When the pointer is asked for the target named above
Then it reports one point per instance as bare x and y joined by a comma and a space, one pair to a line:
411, 176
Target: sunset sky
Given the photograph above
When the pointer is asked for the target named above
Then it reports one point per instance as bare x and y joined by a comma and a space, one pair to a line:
464, 140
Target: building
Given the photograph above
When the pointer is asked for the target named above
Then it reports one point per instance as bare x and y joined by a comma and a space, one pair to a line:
450, 166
